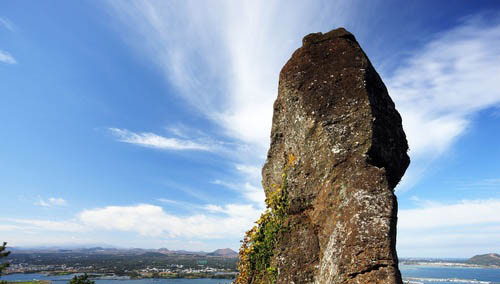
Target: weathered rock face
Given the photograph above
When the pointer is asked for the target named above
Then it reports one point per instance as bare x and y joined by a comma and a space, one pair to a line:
337, 152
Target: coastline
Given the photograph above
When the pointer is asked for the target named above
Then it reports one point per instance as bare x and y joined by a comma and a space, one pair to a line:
449, 264
105, 276
413, 280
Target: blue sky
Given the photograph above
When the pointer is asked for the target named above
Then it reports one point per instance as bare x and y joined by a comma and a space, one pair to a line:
145, 124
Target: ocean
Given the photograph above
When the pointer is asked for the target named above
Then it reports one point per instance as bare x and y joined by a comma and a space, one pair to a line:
65, 279
425, 274
419, 273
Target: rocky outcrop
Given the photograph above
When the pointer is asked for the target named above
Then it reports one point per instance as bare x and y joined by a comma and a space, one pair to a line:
337, 151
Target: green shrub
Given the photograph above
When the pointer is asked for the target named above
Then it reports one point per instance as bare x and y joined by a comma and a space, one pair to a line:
81, 279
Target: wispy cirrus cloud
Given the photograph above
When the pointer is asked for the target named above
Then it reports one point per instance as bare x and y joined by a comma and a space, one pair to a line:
4, 22
152, 140
229, 70
442, 85
7, 58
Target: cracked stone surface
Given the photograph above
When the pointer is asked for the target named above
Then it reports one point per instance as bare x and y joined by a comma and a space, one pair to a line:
334, 116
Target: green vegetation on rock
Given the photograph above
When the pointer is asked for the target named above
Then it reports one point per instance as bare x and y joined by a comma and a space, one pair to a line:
258, 246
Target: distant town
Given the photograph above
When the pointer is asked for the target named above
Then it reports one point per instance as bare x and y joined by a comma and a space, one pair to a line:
112, 263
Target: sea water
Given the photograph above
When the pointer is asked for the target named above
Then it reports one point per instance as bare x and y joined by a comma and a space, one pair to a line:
450, 274
63, 279
426, 274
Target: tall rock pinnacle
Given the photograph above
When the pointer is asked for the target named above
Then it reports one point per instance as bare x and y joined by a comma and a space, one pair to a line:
337, 151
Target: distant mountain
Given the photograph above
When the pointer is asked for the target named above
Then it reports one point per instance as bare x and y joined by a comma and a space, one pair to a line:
485, 259
226, 252
164, 251
121, 251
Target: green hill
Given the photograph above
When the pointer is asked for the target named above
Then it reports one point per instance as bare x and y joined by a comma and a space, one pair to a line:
485, 259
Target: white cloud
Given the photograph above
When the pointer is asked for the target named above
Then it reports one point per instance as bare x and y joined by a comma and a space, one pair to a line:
186, 205
151, 220
251, 189
252, 172
254, 193
5, 57
57, 201
250, 192
42, 203
152, 140
442, 85
48, 225
436, 215
449, 242
52, 201
454, 230
10, 227
145, 219
7, 24
214, 208
47, 239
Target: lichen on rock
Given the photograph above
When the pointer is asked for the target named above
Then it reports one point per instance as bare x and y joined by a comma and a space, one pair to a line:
337, 151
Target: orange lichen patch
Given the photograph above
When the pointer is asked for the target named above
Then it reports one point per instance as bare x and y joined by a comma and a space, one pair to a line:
291, 159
